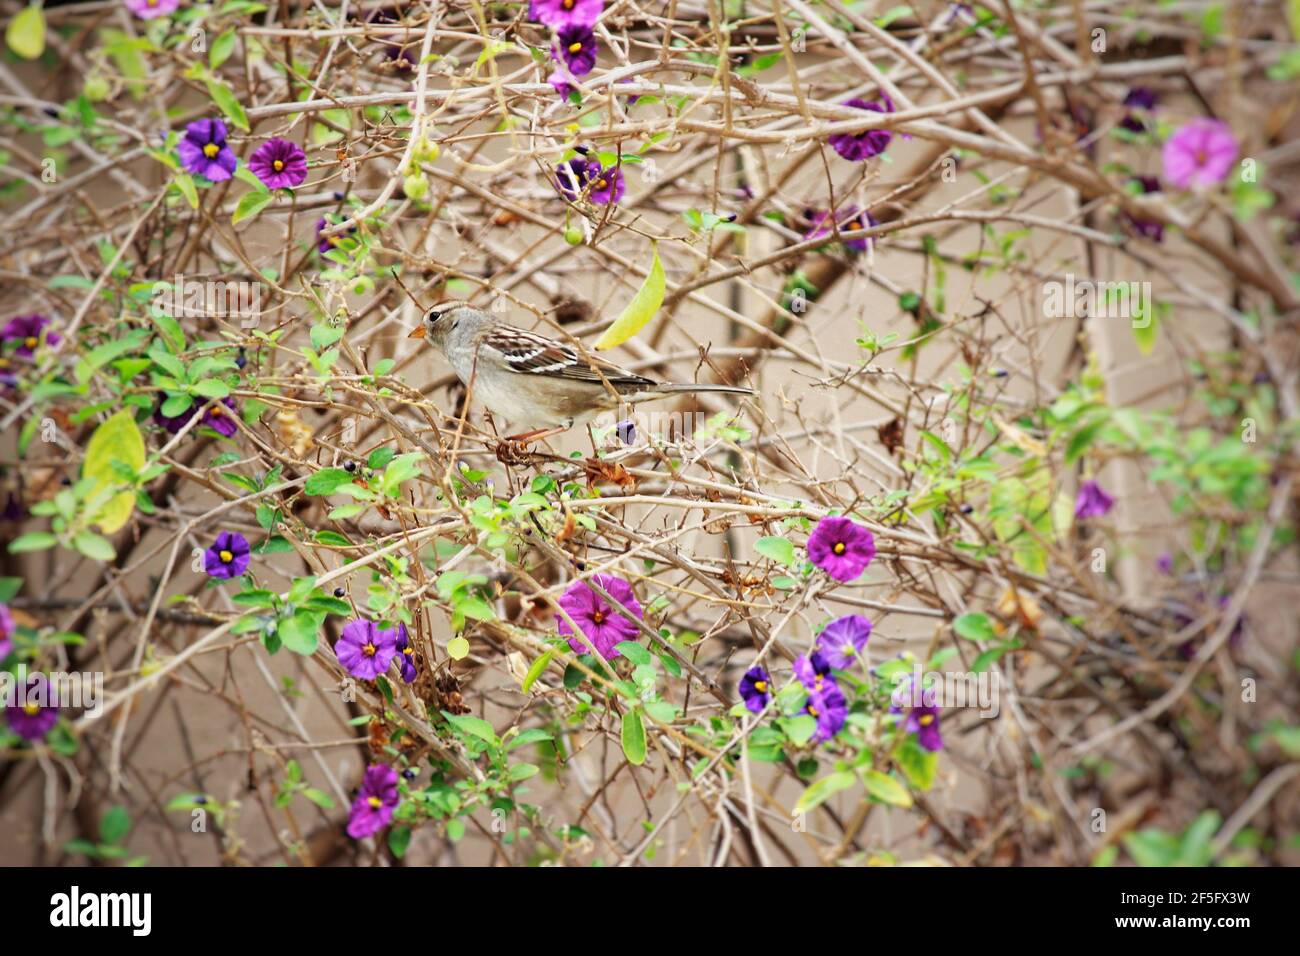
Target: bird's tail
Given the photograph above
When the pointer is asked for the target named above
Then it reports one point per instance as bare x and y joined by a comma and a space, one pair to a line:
703, 387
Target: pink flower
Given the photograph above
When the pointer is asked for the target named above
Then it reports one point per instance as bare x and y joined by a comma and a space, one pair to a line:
152, 9
1199, 154
841, 548
279, 164
604, 626
372, 810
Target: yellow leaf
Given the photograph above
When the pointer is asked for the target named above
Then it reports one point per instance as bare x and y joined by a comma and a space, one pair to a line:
458, 648
26, 33
117, 439
640, 310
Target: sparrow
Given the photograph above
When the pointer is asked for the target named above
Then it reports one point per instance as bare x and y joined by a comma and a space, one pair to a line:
533, 380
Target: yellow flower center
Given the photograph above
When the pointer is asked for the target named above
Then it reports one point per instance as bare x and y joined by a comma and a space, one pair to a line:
849, 650
812, 710
575, 47
760, 686
211, 150
278, 165
151, 3
375, 802
840, 547
215, 411
925, 720
598, 617
600, 183
332, 240
31, 341
226, 557
408, 651
369, 650
567, 4
31, 710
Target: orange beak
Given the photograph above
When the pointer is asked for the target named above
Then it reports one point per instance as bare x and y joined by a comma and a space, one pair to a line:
417, 332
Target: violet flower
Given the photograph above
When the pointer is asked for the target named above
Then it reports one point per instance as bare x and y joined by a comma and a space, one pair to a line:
859, 147
755, 689
279, 164
228, 557
842, 640
405, 653
1092, 501
372, 810
1199, 154
565, 13
7, 628
576, 48
203, 150
152, 9
29, 331
218, 419
33, 708
849, 218
364, 650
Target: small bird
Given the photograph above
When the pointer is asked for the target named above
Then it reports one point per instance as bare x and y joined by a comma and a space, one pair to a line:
533, 380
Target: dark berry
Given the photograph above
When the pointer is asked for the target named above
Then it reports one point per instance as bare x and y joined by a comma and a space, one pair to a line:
410, 773
349, 466
339, 592
241, 359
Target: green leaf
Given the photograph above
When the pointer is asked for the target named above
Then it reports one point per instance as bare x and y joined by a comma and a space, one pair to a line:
212, 388
221, 49
114, 825
9, 588
633, 737
228, 103
399, 838
918, 765
974, 627
777, 549
299, 633
250, 204
94, 546
885, 788
536, 670
26, 32
640, 310
823, 790
1146, 331
326, 481
184, 183
33, 541
473, 726
634, 652
116, 440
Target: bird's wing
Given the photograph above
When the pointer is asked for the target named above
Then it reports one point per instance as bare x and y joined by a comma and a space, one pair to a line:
533, 354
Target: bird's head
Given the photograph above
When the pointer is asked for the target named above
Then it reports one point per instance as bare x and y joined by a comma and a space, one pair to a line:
440, 320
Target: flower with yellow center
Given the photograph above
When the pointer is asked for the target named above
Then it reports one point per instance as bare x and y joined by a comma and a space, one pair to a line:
226, 557
575, 47
210, 150
31, 710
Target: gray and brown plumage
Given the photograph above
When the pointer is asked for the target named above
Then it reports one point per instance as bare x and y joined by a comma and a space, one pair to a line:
535, 381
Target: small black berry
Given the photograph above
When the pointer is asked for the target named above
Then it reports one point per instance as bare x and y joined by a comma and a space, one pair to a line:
349, 466
339, 592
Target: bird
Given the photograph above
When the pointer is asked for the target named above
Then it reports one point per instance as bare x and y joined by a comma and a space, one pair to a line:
535, 381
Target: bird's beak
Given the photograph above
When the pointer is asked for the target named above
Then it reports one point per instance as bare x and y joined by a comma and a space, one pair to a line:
417, 332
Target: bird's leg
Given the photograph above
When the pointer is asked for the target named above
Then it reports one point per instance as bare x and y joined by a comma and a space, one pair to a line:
538, 434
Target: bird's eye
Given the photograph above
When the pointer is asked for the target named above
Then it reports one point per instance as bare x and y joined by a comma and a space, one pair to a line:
434, 316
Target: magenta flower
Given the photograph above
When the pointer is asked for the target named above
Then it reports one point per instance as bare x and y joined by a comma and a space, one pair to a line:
842, 639
228, 557
565, 13
849, 218
151, 9
560, 82
219, 419
576, 47
364, 650
203, 150
1092, 501
405, 653
841, 548
756, 689
173, 423
279, 164
7, 628
33, 708
28, 331
604, 626
859, 147
1199, 154
372, 810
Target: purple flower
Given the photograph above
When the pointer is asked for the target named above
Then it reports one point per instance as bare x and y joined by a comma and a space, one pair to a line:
607, 186
841, 548
228, 557
7, 627
218, 419
375, 802
830, 708
756, 689
1141, 97
13, 510
364, 650
922, 712
279, 164
626, 431
566, 13
848, 218
576, 48
1092, 501
842, 639
27, 331
572, 175
859, 147
1199, 154
813, 671
1165, 563
405, 653
203, 150
1152, 229
151, 9
326, 243
560, 82
32, 709
604, 626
